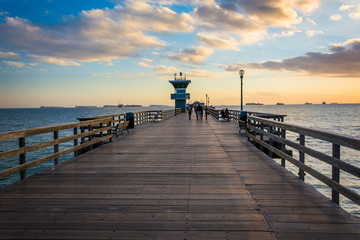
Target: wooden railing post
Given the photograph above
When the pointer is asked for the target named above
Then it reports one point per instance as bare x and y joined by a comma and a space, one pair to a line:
76, 153
112, 125
271, 141
22, 157
302, 157
335, 172
56, 147
283, 149
90, 136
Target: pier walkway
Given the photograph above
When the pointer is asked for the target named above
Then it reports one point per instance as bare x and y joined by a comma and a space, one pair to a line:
177, 179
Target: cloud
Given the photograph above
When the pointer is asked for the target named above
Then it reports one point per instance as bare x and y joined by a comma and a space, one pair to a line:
118, 75
216, 40
144, 64
311, 21
166, 70
346, 7
191, 55
311, 33
354, 11
147, 60
355, 14
196, 73
342, 61
94, 35
54, 60
335, 17
9, 55
13, 64
155, 53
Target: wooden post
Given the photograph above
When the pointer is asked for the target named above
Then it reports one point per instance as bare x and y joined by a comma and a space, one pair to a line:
56, 147
261, 136
271, 141
302, 157
110, 131
283, 136
335, 172
90, 136
22, 158
101, 134
76, 153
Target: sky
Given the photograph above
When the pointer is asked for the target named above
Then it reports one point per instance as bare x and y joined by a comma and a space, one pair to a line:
67, 53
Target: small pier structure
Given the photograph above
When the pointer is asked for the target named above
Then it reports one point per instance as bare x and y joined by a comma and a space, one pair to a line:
180, 96
174, 179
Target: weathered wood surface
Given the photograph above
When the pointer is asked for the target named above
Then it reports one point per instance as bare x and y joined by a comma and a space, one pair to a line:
178, 179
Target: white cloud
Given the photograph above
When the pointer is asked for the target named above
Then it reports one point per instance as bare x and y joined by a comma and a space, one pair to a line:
13, 64
217, 40
144, 64
118, 75
191, 55
9, 55
311, 21
346, 7
155, 53
54, 60
335, 17
147, 60
311, 33
355, 14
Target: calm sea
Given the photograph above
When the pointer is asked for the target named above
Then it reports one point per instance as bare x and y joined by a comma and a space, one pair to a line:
337, 118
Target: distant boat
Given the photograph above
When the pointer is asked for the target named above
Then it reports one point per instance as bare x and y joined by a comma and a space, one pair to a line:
105, 106
308, 103
50, 107
85, 106
120, 105
279, 103
133, 105
323, 102
254, 104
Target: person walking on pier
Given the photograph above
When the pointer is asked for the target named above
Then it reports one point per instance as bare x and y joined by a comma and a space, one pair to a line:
199, 111
189, 111
206, 112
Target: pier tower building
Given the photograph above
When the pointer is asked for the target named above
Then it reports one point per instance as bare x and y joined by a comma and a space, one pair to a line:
180, 84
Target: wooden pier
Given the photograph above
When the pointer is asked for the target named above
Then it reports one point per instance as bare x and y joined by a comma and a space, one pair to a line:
176, 179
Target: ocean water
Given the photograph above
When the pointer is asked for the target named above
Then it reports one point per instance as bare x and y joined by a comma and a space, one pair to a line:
336, 118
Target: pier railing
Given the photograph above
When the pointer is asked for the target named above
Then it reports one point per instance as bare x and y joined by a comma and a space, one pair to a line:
268, 132
91, 131
259, 129
102, 127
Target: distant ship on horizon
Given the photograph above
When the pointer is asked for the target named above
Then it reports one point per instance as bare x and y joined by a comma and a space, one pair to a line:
308, 103
85, 106
280, 103
132, 105
51, 107
254, 104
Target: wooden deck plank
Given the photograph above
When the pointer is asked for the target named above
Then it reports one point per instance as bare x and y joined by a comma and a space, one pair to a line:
177, 179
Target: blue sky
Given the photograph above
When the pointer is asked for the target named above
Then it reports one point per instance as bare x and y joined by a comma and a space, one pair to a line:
67, 53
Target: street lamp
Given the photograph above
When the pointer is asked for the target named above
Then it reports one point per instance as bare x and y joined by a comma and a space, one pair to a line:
241, 73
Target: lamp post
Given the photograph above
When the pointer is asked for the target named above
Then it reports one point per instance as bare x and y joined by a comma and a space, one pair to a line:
241, 73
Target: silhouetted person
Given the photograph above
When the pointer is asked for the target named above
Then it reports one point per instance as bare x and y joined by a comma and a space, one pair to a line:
190, 111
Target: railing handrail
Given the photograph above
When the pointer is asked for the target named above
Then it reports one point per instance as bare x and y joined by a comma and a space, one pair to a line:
41, 130
340, 139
